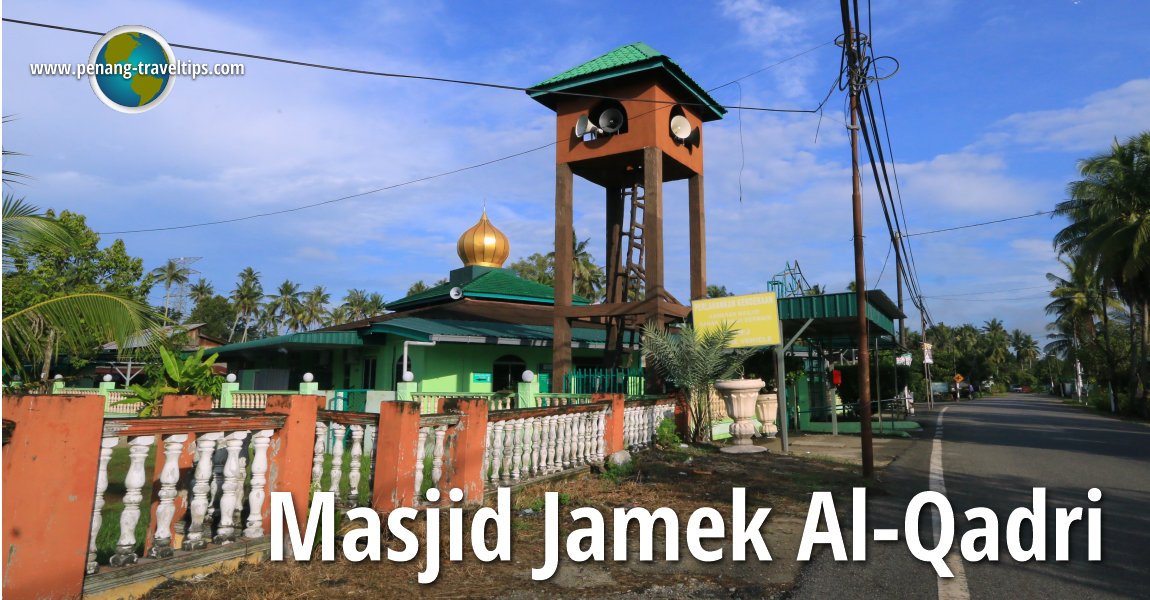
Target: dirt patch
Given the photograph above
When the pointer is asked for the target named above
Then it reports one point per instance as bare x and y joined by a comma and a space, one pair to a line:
680, 479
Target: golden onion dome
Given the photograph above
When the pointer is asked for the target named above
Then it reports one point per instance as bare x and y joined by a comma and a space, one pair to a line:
483, 245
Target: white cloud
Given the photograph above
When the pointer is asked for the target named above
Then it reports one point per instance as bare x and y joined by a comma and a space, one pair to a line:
1120, 111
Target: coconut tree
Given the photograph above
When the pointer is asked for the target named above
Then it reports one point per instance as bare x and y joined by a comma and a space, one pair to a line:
314, 307
171, 273
283, 307
71, 321
246, 298
996, 343
1109, 213
201, 290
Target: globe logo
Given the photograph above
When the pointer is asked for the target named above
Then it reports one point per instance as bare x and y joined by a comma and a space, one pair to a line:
131, 68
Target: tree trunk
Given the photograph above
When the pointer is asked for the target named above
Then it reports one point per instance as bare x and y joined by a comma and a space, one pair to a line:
1110, 372
1132, 386
46, 365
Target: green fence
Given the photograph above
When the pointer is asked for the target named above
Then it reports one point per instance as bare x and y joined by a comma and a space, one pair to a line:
629, 381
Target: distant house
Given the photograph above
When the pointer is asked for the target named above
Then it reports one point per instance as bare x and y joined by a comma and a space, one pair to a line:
124, 366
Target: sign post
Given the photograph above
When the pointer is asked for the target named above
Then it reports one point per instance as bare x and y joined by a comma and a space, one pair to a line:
755, 318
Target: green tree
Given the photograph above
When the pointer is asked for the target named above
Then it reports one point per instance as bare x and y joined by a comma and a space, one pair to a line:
718, 291
201, 290
62, 292
693, 361
283, 308
537, 267
417, 288
1109, 213
216, 315
170, 274
247, 300
313, 311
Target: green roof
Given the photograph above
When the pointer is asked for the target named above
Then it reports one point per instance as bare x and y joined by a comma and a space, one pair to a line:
622, 61
487, 332
297, 340
498, 284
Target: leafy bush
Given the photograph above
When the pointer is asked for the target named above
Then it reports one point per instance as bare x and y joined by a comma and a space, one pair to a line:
618, 473
193, 375
666, 434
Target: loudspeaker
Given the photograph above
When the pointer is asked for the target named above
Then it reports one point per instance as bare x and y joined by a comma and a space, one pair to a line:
682, 131
584, 126
611, 120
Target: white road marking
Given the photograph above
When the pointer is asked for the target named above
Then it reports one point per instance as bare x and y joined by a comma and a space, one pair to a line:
949, 588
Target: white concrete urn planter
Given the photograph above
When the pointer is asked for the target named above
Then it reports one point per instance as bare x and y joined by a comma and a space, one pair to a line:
767, 409
740, 396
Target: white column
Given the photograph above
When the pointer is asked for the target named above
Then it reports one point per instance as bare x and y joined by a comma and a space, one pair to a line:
106, 446
133, 485
420, 453
601, 436
260, 442
353, 472
338, 432
169, 476
517, 453
226, 528
320, 450
508, 449
437, 455
205, 450
496, 449
536, 424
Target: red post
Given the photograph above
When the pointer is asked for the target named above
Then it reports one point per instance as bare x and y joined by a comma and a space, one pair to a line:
683, 414
614, 429
395, 454
465, 466
49, 489
291, 451
174, 406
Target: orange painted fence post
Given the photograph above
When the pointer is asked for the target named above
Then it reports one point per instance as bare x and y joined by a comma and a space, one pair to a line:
614, 429
291, 451
50, 465
396, 448
465, 469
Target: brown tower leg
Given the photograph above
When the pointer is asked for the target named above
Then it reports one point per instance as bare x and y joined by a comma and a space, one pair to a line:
564, 236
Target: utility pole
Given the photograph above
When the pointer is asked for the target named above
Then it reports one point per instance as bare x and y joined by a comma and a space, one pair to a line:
898, 280
853, 49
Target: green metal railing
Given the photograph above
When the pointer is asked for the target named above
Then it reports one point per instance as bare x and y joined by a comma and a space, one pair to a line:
629, 381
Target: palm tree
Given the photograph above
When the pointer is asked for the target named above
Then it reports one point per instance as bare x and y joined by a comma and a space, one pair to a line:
283, 307
997, 343
1025, 347
718, 291
588, 278
693, 361
170, 274
72, 321
1109, 212
417, 288
201, 290
537, 267
246, 298
374, 305
314, 308
1077, 301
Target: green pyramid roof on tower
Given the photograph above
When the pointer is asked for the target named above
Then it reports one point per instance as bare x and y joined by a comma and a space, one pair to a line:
620, 62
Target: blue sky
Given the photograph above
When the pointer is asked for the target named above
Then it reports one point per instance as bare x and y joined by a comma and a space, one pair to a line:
993, 104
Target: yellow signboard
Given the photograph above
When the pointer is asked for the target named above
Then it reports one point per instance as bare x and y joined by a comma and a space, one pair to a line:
755, 318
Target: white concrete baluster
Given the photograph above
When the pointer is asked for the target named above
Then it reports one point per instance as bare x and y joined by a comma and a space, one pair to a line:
601, 437
487, 454
496, 449
588, 434
241, 479
577, 447
552, 439
106, 446
420, 453
133, 485
508, 449
320, 450
536, 440
226, 529
353, 472
437, 455
517, 454
260, 442
205, 450
564, 442
169, 476
338, 432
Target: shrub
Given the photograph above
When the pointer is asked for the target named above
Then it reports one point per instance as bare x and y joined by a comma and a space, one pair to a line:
666, 434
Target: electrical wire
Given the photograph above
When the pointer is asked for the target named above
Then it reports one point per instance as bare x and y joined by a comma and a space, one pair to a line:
468, 82
933, 231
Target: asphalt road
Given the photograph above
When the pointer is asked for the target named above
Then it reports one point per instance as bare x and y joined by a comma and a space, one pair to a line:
994, 452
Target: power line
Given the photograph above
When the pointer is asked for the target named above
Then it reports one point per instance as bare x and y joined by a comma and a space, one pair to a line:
941, 299
1037, 214
468, 82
